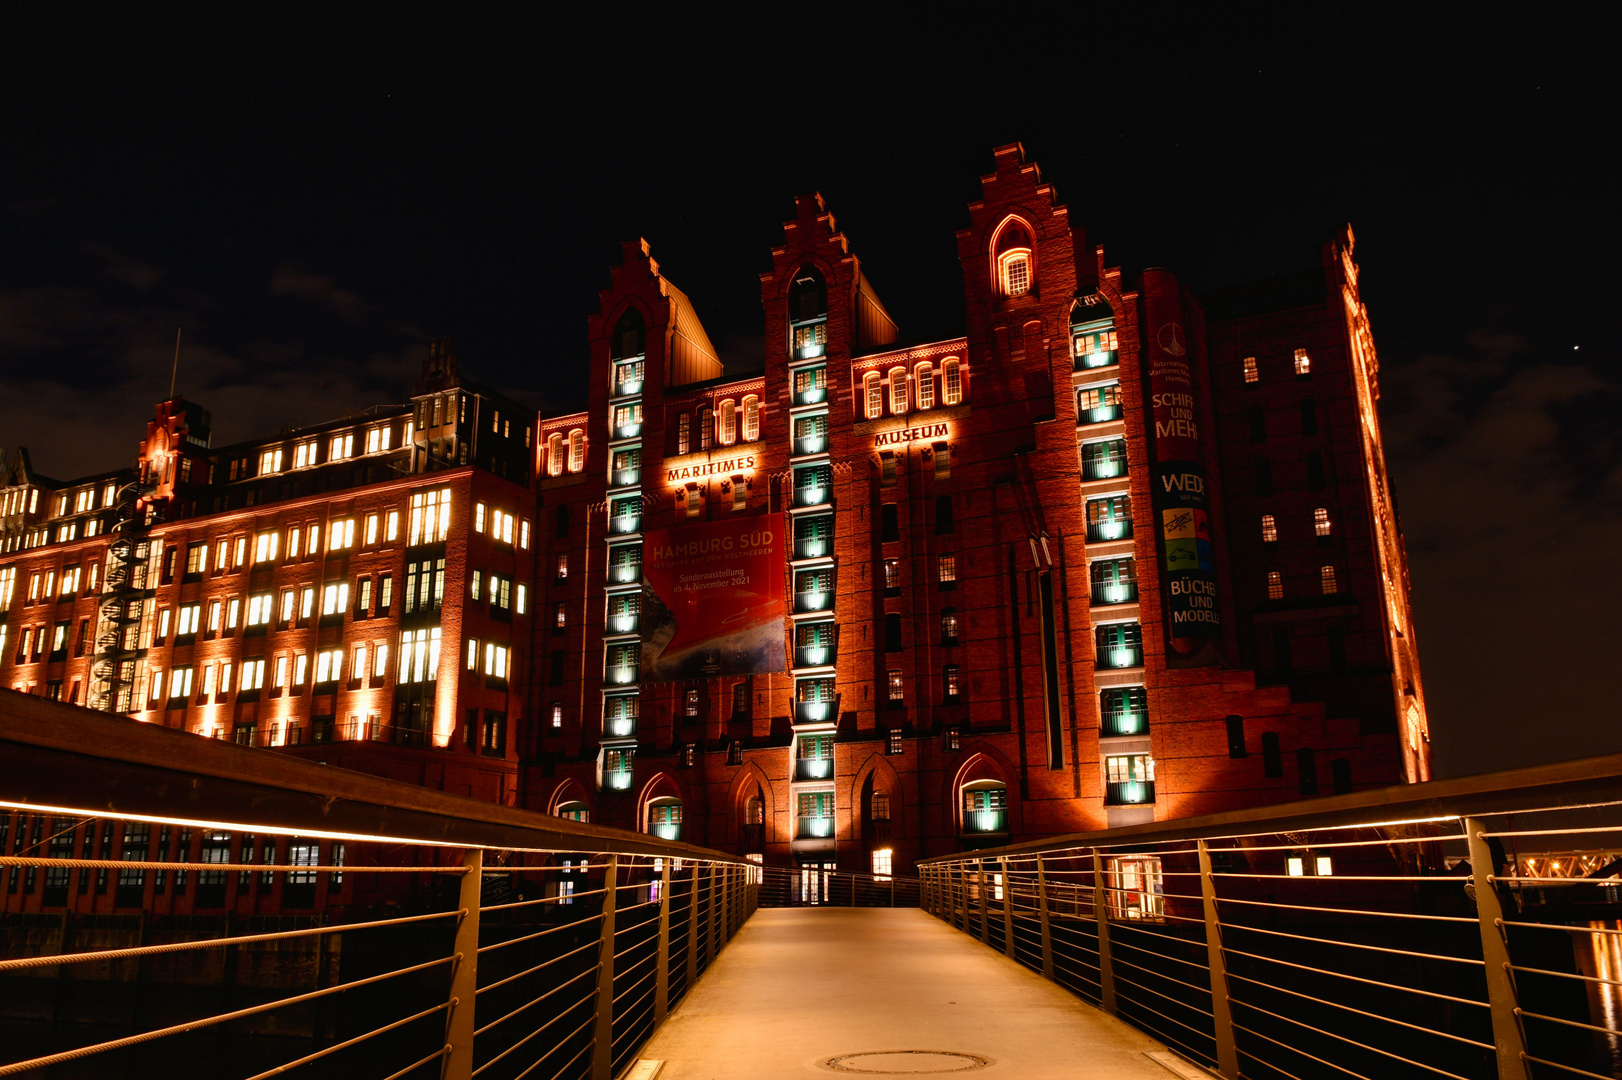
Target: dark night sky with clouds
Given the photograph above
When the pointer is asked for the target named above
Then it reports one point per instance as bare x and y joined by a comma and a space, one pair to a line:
313, 206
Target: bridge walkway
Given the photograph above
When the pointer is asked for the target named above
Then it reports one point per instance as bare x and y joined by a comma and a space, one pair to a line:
799, 986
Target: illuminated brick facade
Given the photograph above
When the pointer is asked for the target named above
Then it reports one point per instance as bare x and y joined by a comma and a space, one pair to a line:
1028, 570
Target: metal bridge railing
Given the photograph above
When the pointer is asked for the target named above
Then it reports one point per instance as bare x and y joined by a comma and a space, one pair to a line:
497, 943
1379, 935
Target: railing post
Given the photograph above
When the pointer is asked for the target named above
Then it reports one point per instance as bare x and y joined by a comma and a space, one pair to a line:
1506, 1027
963, 902
714, 914
985, 906
1007, 910
1106, 967
692, 933
661, 978
1221, 1010
465, 973
1042, 912
602, 1053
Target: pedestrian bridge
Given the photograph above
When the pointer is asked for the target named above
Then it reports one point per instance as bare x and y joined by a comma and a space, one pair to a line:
180, 904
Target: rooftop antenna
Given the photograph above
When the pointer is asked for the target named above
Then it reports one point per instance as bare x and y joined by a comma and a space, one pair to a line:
174, 371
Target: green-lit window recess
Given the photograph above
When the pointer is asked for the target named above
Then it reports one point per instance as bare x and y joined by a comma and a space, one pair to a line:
1096, 404
811, 434
813, 536
814, 590
1114, 581
625, 563
1109, 518
624, 609
985, 809
627, 377
1124, 710
1094, 347
1129, 779
813, 485
627, 420
625, 515
664, 819
816, 814
815, 644
1103, 460
814, 757
626, 467
619, 715
814, 700
811, 385
617, 768
1120, 645
623, 662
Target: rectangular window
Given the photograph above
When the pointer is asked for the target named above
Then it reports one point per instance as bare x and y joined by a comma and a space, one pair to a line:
1326, 577
495, 660
946, 572
419, 655
335, 598
363, 597
265, 545
557, 714
380, 659
1275, 585
270, 462
259, 609
253, 675
341, 535
896, 686
342, 446
562, 566
391, 526
892, 574
190, 615
329, 665
1320, 521
301, 668
371, 529
430, 517
196, 558
1252, 372
520, 603
385, 593
478, 517
1269, 529
1303, 363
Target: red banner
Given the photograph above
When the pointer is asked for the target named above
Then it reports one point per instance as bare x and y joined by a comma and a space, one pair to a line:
712, 599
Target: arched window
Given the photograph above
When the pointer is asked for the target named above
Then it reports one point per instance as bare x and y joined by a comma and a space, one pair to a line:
872, 396
898, 390
577, 450
554, 455
706, 433
751, 418
729, 422
574, 810
1015, 269
925, 377
951, 382
684, 433
629, 336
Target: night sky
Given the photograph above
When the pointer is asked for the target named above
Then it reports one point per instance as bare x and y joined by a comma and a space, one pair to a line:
313, 204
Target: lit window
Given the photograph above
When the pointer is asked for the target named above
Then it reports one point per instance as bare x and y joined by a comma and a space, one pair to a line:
259, 609
294, 535
882, 859
289, 598
232, 609
307, 603
380, 659
419, 655
1275, 585
374, 440
1252, 372
523, 534
342, 446
554, 455
729, 423
898, 390
951, 682
521, 605
1303, 362
270, 462
430, 516
873, 395
341, 535
684, 437
371, 528
706, 429
335, 598
1014, 259
924, 375
265, 546
1326, 576
896, 685
329, 665
478, 517
947, 569
1320, 521
557, 714
279, 677
1269, 529
253, 675
495, 660
1295, 866
577, 450
951, 382
751, 418
892, 573
562, 570
301, 668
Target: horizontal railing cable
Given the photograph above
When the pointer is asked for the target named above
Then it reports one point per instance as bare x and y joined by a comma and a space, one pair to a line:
358, 1039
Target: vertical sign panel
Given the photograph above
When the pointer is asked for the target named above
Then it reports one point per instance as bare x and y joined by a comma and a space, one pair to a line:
1182, 511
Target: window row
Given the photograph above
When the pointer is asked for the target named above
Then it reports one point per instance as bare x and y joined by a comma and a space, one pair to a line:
1322, 525
565, 452
281, 673
1328, 583
307, 453
917, 390
1301, 362
503, 527
718, 426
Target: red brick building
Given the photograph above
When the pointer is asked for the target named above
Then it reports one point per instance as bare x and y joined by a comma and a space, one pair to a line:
1118, 553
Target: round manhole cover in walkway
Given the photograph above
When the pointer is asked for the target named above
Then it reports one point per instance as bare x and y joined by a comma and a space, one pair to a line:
907, 1062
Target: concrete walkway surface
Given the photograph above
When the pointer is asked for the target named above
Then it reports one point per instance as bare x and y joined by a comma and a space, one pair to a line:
799, 986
